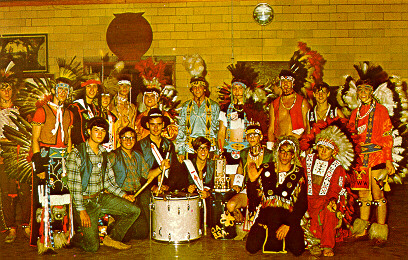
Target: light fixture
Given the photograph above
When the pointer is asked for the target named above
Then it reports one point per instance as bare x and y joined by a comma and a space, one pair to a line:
263, 14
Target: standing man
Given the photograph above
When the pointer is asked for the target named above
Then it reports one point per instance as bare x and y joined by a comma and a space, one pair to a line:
287, 113
236, 115
11, 189
151, 97
84, 108
279, 188
322, 109
89, 175
159, 151
105, 100
374, 127
131, 171
122, 106
51, 142
199, 115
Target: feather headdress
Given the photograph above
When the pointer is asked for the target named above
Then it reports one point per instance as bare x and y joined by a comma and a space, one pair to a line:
8, 76
307, 65
152, 73
71, 71
110, 84
154, 79
391, 92
195, 66
17, 149
254, 94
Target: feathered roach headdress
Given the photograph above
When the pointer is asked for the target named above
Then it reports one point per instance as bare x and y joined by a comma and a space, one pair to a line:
391, 92
110, 84
254, 93
8, 76
69, 72
307, 66
152, 73
196, 67
154, 79
372, 75
246, 77
244, 74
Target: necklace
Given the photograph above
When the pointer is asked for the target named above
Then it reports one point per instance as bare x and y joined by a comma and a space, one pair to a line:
256, 158
283, 105
325, 114
236, 109
368, 111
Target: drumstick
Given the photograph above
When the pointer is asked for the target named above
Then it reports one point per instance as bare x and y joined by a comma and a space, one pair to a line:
205, 217
143, 187
162, 175
205, 214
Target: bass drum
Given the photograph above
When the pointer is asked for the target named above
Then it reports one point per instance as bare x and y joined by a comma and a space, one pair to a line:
222, 223
176, 217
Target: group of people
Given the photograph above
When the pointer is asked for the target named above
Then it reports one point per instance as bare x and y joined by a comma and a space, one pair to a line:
99, 155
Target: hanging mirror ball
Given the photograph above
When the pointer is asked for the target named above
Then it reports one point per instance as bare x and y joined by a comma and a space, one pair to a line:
263, 14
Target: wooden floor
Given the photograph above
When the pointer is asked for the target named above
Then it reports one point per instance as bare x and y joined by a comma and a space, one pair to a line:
208, 248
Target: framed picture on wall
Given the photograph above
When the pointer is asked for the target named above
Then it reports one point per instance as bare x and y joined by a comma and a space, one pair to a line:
28, 51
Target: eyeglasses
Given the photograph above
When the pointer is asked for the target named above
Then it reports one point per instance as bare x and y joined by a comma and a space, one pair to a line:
253, 135
130, 138
202, 148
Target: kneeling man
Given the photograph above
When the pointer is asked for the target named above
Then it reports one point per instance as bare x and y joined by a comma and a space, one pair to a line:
279, 189
89, 175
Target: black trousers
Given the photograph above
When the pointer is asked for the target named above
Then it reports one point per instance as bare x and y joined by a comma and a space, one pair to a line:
273, 218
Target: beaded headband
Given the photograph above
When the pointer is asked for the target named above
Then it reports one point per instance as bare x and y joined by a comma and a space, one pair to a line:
124, 82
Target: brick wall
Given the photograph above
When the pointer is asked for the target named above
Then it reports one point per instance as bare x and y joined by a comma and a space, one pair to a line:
343, 31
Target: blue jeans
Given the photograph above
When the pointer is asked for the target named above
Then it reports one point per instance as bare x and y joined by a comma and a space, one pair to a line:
123, 211
140, 228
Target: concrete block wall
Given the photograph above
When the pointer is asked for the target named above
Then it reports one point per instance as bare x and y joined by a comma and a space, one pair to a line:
343, 31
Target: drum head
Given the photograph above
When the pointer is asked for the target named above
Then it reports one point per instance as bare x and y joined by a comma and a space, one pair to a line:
176, 196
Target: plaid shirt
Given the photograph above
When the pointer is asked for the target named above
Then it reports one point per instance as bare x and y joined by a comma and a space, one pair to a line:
95, 184
137, 168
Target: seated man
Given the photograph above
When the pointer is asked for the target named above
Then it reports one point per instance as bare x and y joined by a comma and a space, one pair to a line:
255, 153
325, 181
131, 170
200, 169
156, 149
279, 188
89, 174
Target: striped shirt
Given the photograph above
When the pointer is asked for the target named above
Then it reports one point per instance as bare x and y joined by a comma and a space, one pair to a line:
95, 184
